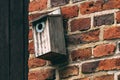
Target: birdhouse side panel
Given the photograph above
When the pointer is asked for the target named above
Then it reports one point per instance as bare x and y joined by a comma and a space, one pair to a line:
57, 39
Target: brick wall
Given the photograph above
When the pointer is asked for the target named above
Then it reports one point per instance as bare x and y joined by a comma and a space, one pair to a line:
92, 31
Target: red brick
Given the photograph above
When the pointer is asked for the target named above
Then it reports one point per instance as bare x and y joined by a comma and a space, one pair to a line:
99, 5
80, 24
103, 65
36, 5
111, 4
36, 62
118, 17
89, 67
107, 19
69, 71
31, 48
69, 11
105, 77
81, 54
109, 64
55, 3
86, 37
103, 50
90, 36
30, 36
42, 74
90, 7
112, 33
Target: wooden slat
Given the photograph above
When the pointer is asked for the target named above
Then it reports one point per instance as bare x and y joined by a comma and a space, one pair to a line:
47, 44
35, 41
4, 40
45, 39
17, 40
13, 38
25, 38
39, 42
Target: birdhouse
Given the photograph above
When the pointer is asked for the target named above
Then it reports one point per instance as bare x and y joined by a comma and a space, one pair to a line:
49, 41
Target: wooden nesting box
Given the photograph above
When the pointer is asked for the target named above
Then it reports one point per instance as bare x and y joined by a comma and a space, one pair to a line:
49, 41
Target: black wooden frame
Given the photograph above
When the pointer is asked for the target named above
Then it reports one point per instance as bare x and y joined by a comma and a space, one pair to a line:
13, 39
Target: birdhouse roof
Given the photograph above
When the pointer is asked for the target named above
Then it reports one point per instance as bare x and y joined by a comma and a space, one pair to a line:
47, 14
40, 17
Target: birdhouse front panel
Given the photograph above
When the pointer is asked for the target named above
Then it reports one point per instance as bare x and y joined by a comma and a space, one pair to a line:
42, 39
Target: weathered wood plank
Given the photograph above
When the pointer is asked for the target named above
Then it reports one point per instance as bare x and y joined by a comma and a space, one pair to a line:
4, 40
26, 31
57, 35
13, 38
17, 40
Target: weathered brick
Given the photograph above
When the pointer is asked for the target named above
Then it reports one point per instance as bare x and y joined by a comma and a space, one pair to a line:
90, 7
69, 71
104, 77
118, 17
99, 5
42, 74
77, 0
103, 50
89, 67
31, 48
112, 33
55, 3
36, 5
90, 36
81, 54
86, 37
104, 20
111, 4
69, 11
36, 62
30, 36
109, 64
80, 24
